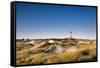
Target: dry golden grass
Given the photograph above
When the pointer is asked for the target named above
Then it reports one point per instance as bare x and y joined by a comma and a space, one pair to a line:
84, 52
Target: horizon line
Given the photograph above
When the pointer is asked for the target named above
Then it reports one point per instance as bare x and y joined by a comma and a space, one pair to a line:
58, 38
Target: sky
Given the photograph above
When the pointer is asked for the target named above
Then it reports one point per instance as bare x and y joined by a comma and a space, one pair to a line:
34, 21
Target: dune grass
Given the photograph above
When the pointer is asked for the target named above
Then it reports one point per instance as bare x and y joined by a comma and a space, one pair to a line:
83, 53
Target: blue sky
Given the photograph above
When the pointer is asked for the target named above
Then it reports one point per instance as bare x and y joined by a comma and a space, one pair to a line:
54, 21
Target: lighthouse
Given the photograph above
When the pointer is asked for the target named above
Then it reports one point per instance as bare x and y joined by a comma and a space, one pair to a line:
70, 35
69, 40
